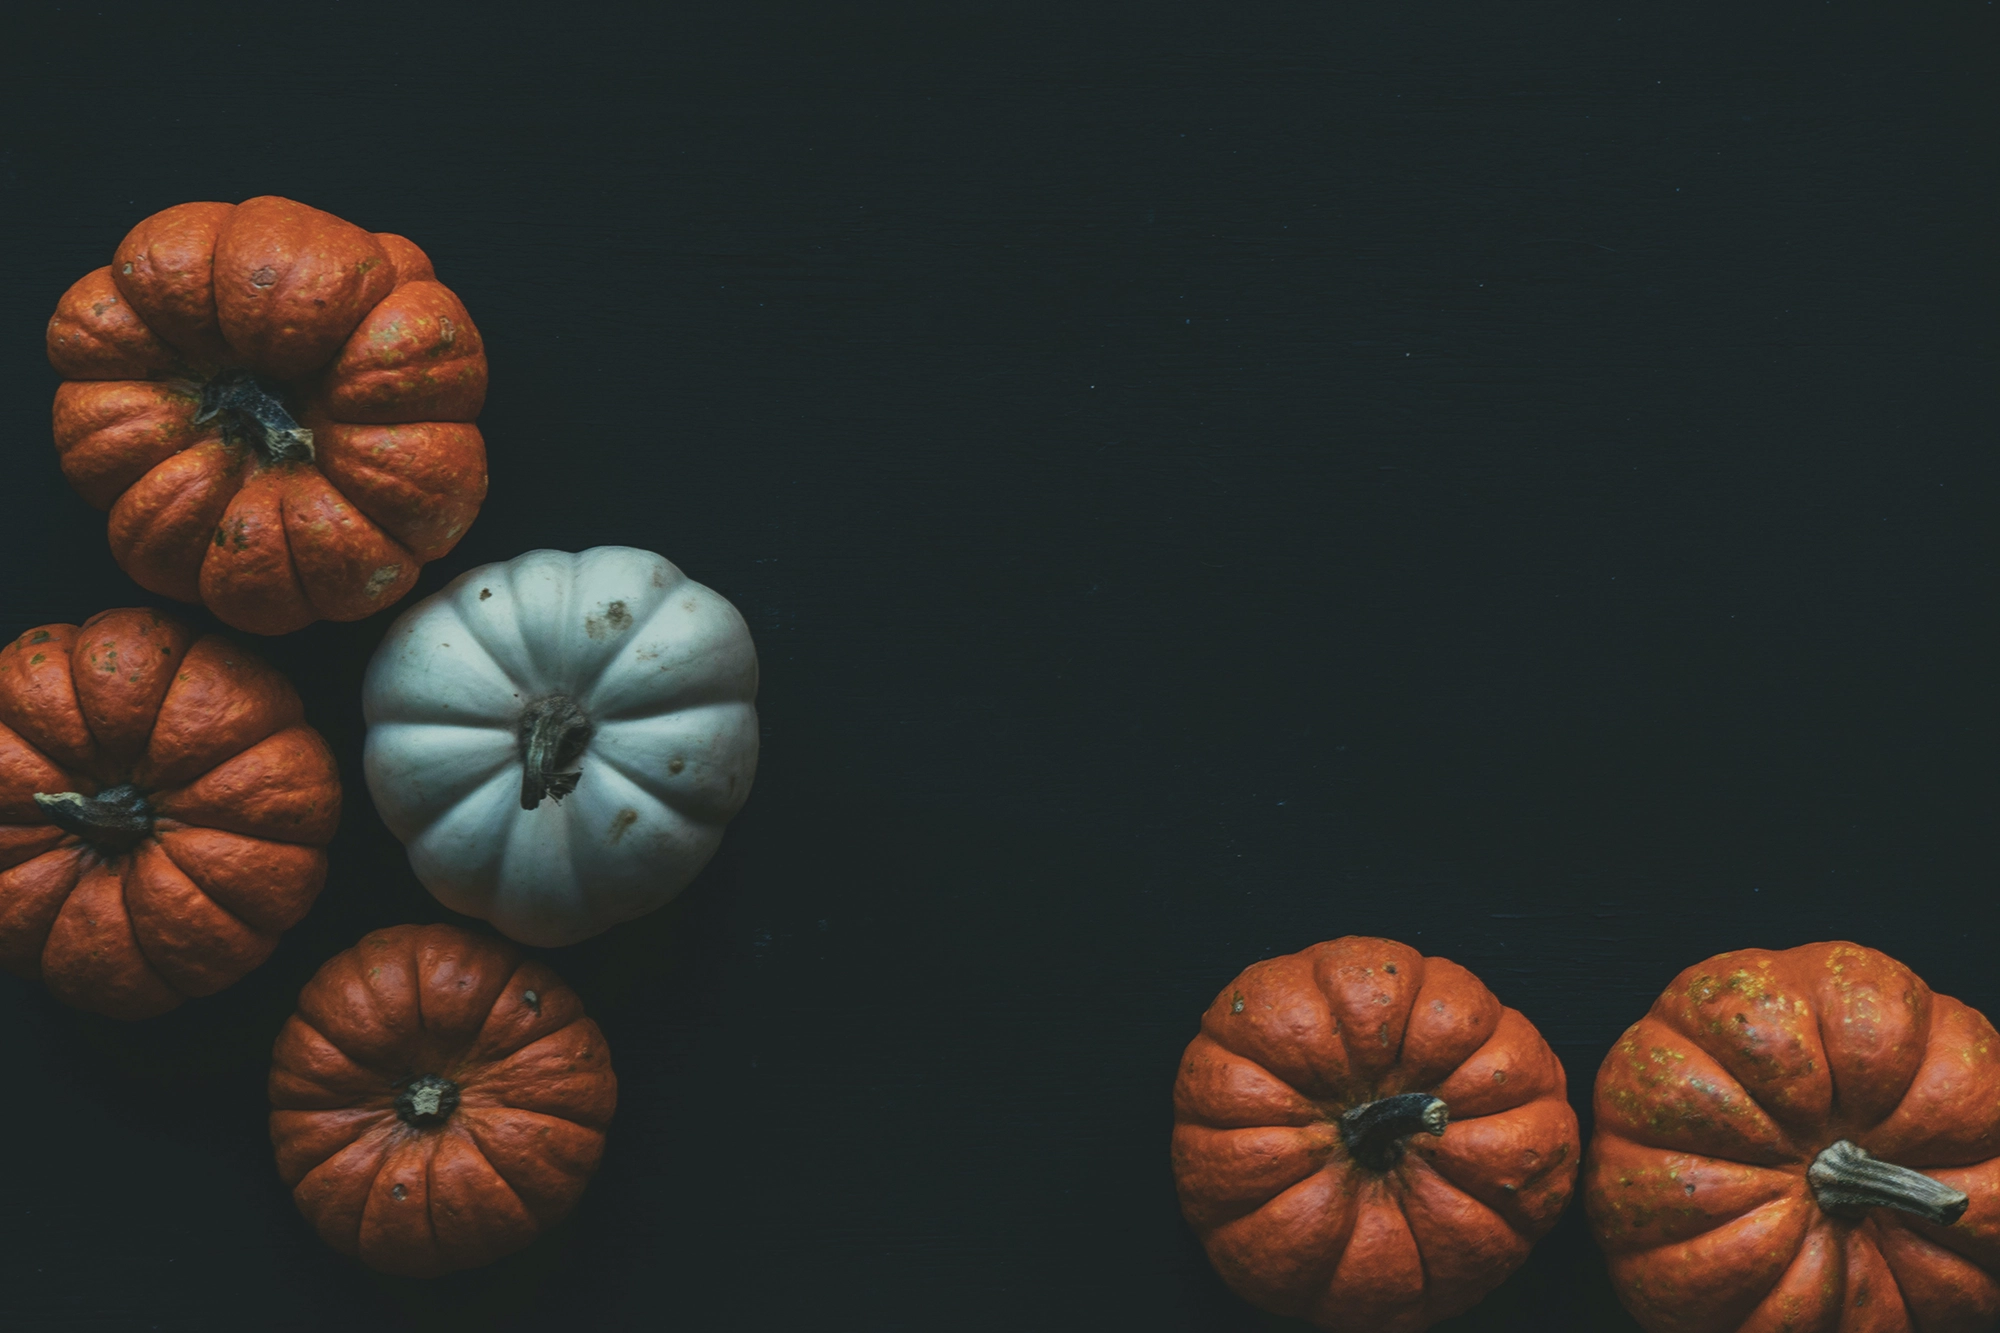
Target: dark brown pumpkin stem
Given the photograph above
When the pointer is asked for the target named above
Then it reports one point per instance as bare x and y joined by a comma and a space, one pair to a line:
253, 415
1846, 1178
1374, 1131
112, 822
553, 733
427, 1100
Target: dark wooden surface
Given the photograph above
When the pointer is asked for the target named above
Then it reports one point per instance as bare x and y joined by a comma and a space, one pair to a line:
1516, 479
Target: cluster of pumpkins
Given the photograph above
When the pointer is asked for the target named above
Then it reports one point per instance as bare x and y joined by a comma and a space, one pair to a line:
277, 409
1791, 1141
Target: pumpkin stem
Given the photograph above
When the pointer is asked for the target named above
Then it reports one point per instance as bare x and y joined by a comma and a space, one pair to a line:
251, 414
1374, 1131
553, 733
112, 822
427, 1100
1846, 1178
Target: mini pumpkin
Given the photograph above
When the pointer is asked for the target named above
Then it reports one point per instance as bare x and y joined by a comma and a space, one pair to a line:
164, 811
1801, 1139
560, 739
276, 408
437, 1102
1367, 1139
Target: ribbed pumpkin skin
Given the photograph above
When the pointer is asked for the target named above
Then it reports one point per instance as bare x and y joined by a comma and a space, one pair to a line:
534, 1086
245, 795
1290, 1220
366, 348
1710, 1109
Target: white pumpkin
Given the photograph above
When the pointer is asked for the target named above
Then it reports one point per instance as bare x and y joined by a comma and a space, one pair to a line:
559, 739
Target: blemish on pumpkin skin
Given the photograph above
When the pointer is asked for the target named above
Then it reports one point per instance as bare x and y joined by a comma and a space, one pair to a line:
1236, 1002
676, 765
380, 581
615, 620
485, 593
532, 1000
621, 821
40, 636
399, 1192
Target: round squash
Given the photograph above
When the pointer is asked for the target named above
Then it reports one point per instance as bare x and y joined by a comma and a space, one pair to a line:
276, 408
560, 739
164, 811
1802, 1139
436, 1101
1367, 1139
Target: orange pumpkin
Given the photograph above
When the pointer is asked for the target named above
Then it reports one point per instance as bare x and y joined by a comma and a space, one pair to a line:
1367, 1138
164, 811
437, 1102
276, 408
1802, 1139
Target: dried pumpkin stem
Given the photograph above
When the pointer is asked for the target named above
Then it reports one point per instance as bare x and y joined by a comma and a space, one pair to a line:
1848, 1178
1374, 1131
553, 733
251, 414
113, 821
427, 1100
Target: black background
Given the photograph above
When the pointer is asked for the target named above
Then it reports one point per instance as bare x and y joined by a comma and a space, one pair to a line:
1516, 479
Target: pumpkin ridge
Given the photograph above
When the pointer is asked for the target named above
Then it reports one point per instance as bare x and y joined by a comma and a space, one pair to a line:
478, 1078
1337, 959
1285, 1083
1782, 1148
587, 686
350, 1099
430, 1195
1443, 1298
473, 1122
1934, 1240
676, 805
472, 1146
202, 889
1782, 1202
126, 873
1442, 1166
199, 482
360, 1150
1822, 1243
1839, 1249
175, 641
180, 826
63, 980
1836, 1122
70, 869
390, 563
1753, 976
1867, 1233
30, 713
482, 630
386, 1137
